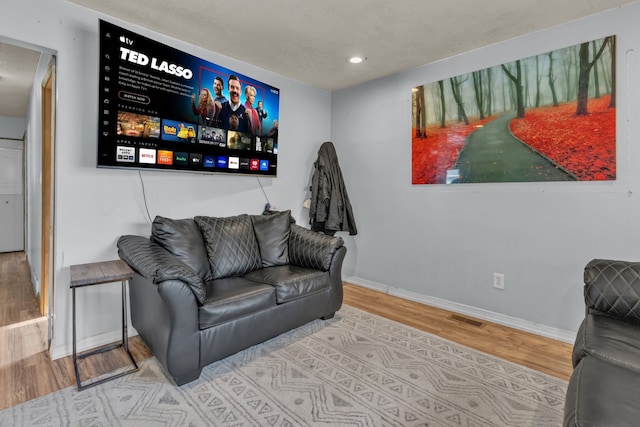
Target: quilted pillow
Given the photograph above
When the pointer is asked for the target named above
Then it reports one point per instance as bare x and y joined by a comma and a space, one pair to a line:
311, 249
182, 237
272, 233
613, 287
231, 245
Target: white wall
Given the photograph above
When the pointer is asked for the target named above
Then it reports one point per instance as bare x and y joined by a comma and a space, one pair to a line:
11, 127
441, 243
96, 206
438, 242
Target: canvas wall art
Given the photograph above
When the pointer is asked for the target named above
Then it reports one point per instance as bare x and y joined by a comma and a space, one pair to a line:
548, 117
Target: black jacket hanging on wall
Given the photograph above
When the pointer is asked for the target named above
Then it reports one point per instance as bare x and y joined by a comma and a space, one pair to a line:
330, 209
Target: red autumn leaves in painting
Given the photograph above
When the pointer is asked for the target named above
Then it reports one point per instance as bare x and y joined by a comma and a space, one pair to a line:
585, 146
434, 155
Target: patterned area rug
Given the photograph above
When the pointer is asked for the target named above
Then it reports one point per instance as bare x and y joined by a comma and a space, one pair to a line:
357, 369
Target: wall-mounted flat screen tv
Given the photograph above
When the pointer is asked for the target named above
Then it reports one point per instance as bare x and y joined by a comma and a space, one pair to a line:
163, 109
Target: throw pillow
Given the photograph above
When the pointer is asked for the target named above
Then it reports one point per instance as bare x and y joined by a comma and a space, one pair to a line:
272, 233
311, 249
182, 237
231, 245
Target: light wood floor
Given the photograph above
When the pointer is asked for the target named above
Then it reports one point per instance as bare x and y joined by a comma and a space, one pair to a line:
27, 372
540, 353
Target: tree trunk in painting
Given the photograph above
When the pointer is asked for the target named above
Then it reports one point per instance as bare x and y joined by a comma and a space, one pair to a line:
569, 69
612, 47
552, 81
525, 80
584, 68
420, 113
489, 92
477, 87
517, 82
443, 119
538, 81
596, 77
583, 81
455, 88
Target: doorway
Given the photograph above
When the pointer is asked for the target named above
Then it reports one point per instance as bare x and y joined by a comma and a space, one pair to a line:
11, 195
28, 95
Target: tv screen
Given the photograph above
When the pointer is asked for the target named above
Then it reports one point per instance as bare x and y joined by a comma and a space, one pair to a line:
163, 109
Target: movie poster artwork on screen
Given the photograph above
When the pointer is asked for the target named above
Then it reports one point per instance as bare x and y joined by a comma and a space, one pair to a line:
548, 117
163, 109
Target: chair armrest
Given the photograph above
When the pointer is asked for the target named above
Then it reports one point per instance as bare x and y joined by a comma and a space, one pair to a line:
311, 249
155, 263
613, 287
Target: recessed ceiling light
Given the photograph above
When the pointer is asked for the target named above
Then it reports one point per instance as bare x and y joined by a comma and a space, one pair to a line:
357, 59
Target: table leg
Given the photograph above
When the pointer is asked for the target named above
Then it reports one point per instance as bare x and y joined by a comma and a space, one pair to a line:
75, 352
125, 334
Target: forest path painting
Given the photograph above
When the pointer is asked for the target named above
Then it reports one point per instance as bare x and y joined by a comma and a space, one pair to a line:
549, 117
493, 154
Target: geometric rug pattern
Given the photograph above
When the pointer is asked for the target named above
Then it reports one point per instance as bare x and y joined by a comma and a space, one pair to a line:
357, 369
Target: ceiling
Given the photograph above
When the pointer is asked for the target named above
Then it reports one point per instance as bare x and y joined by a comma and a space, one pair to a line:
310, 41
17, 69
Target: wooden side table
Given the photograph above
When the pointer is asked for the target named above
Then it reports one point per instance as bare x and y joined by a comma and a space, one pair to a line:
94, 274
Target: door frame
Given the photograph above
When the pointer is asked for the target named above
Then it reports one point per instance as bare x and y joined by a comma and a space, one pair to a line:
48, 101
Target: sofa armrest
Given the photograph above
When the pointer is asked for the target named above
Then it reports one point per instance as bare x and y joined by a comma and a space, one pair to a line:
613, 287
165, 315
335, 273
311, 249
155, 263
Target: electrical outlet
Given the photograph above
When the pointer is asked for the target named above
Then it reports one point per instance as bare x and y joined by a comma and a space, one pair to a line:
498, 280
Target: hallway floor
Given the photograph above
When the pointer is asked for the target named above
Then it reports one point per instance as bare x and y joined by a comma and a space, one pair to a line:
26, 370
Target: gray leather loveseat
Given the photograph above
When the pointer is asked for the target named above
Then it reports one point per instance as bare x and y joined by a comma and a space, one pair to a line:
206, 288
605, 385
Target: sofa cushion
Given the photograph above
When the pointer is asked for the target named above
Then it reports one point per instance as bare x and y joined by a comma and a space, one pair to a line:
231, 245
291, 281
609, 339
272, 233
231, 298
183, 239
601, 394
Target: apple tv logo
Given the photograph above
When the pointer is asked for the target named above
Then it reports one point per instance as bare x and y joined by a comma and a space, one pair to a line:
196, 159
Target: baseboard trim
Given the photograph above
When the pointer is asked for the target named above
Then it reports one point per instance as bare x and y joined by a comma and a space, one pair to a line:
479, 313
89, 343
35, 280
